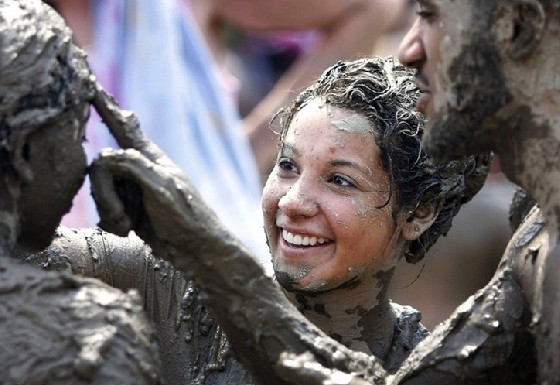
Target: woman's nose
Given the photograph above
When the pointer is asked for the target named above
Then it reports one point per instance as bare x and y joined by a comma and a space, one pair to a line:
411, 50
300, 200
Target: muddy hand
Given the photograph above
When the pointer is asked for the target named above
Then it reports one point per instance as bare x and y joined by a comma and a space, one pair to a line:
166, 211
125, 128
138, 187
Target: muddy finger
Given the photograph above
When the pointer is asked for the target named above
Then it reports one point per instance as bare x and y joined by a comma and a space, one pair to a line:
111, 209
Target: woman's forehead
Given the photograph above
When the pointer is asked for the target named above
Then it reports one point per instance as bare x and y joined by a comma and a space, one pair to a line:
333, 132
342, 118
353, 123
318, 118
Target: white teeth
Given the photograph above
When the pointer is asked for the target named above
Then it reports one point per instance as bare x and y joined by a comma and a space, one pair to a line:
301, 240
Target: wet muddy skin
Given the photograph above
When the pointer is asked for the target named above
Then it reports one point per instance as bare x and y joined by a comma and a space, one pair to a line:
485, 341
68, 330
193, 348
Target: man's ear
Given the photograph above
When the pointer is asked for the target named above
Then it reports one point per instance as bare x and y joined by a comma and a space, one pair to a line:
420, 220
528, 21
20, 158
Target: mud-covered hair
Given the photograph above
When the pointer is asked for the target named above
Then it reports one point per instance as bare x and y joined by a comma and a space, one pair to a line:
44, 77
382, 90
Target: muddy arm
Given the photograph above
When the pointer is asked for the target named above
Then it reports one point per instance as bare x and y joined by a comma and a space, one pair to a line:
485, 341
549, 318
489, 339
190, 341
122, 262
538, 270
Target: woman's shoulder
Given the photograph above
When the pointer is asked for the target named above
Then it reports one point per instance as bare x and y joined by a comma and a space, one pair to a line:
408, 333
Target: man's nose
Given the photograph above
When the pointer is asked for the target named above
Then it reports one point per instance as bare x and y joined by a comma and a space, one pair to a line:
300, 199
411, 49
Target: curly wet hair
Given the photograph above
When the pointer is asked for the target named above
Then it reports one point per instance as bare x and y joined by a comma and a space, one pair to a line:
44, 76
382, 90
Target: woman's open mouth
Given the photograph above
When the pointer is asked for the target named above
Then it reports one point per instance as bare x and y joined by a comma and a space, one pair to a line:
302, 240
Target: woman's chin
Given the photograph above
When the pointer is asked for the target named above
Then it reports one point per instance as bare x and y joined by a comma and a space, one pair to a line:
296, 278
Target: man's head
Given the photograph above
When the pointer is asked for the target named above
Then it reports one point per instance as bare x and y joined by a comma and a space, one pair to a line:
45, 89
477, 63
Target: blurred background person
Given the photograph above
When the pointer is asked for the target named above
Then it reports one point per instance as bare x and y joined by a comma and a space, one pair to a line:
316, 33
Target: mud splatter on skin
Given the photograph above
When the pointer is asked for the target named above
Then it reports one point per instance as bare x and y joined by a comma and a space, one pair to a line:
355, 123
353, 313
359, 124
287, 279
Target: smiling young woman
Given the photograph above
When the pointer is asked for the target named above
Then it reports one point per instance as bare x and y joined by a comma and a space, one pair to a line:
350, 195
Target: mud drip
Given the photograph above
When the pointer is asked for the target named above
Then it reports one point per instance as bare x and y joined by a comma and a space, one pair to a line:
201, 328
187, 310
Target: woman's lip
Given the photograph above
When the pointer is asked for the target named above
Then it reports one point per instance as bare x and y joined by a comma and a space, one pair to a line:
299, 252
302, 238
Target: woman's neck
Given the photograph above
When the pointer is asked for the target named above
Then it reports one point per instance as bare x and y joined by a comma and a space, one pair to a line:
359, 316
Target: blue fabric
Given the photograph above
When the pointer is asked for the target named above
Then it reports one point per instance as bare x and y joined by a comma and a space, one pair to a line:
151, 56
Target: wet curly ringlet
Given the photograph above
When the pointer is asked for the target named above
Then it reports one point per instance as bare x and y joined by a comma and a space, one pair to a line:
382, 90
43, 75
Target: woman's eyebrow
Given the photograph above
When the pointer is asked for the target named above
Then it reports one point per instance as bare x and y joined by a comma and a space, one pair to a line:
424, 2
288, 149
348, 163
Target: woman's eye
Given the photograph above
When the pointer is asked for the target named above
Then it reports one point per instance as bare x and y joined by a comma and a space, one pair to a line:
424, 14
339, 180
286, 165
425, 11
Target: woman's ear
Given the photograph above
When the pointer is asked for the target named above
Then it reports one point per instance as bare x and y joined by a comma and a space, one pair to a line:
528, 21
420, 220
20, 158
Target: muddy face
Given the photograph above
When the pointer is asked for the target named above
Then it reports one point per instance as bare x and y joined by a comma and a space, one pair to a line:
454, 47
58, 163
321, 202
